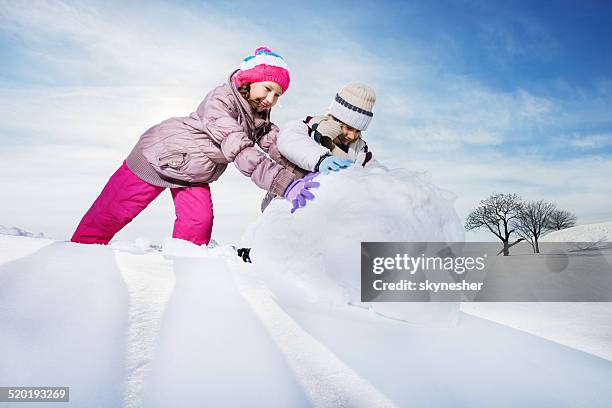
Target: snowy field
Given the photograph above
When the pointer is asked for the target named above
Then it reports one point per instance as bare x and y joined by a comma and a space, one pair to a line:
584, 326
127, 325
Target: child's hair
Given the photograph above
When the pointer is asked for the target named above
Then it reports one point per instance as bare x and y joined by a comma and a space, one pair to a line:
245, 91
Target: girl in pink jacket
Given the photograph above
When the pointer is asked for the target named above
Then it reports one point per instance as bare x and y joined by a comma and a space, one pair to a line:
185, 154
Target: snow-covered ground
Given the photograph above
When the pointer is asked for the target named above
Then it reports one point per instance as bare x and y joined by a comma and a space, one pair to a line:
126, 329
584, 326
128, 325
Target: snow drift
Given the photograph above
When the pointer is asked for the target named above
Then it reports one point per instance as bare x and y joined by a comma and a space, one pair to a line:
62, 321
134, 327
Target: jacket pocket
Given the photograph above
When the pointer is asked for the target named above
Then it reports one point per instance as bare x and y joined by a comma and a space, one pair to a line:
174, 160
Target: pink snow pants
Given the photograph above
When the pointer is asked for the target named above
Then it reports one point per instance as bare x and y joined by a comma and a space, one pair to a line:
125, 196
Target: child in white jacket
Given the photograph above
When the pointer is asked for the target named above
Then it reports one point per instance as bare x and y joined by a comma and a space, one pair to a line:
331, 141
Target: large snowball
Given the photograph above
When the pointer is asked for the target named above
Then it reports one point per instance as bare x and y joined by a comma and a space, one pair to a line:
312, 257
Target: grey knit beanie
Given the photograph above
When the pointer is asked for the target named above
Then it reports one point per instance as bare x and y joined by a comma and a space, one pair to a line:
353, 105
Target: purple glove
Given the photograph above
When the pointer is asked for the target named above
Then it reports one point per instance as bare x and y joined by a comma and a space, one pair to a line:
298, 193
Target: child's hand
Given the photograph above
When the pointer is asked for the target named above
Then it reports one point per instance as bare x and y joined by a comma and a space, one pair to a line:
329, 128
333, 163
298, 191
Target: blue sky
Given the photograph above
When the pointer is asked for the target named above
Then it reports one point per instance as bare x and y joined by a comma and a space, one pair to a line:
486, 96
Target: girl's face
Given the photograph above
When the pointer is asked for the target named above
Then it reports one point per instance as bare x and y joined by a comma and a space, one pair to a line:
264, 95
349, 134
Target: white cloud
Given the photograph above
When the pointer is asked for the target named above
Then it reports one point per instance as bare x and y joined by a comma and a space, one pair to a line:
161, 45
592, 141
458, 113
532, 107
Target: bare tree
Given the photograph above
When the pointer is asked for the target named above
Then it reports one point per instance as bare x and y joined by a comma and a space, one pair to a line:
561, 219
511, 245
533, 220
497, 214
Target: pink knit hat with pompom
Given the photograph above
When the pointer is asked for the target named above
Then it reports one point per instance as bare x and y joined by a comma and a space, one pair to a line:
263, 65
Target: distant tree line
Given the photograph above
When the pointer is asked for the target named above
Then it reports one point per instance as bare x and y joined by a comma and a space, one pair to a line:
507, 215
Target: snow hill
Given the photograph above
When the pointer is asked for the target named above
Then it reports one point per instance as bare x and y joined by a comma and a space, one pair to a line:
601, 232
128, 325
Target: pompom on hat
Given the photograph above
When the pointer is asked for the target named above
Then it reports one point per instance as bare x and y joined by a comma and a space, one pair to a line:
353, 105
263, 65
